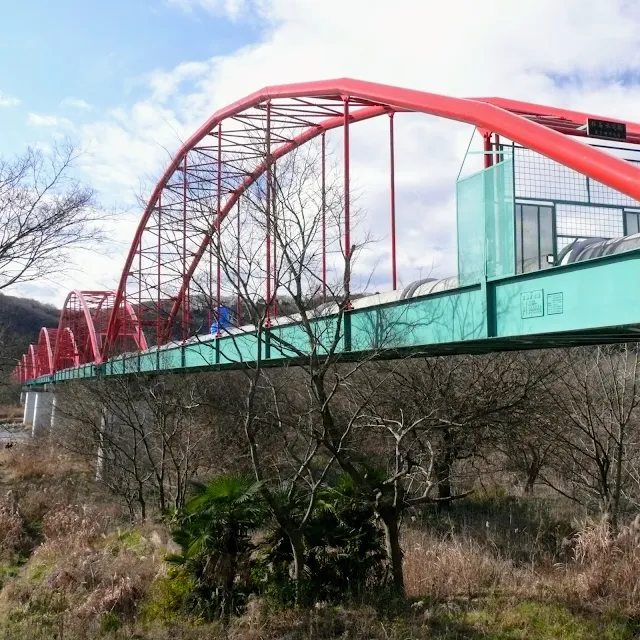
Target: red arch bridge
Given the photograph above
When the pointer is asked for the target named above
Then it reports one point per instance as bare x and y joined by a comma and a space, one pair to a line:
247, 249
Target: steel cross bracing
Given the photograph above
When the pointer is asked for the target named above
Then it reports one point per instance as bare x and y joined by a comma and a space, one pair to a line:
172, 283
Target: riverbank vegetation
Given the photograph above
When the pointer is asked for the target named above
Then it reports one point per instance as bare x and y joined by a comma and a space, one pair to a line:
470, 497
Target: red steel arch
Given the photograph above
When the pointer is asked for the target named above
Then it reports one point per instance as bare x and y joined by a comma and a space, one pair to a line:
243, 141
76, 328
83, 327
45, 351
32, 361
66, 353
80, 335
230, 153
24, 368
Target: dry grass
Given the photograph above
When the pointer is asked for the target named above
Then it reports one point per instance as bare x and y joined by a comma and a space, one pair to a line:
445, 567
603, 573
10, 414
84, 573
11, 529
84, 564
606, 567
78, 578
506, 619
34, 459
43, 479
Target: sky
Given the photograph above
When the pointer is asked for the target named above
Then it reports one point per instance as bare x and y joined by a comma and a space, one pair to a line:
129, 80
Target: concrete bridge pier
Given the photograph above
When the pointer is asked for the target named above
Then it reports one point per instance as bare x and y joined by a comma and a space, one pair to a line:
39, 409
29, 406
42, 412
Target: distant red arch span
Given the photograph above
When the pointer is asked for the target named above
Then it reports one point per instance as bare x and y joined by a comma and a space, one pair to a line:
76, 323
32, 361
45, 351
79, 336
83, 325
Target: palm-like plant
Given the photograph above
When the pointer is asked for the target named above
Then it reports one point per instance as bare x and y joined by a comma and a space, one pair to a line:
213, 530
343, 546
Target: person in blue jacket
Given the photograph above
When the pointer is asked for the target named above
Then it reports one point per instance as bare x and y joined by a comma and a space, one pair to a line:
223, 322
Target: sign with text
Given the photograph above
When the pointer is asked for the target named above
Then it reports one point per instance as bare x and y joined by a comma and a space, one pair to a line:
606, 129
555, 303
532, 304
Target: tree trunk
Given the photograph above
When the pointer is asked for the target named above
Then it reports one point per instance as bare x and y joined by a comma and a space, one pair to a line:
442, 469
227, 603
142, 503
295, 537
532, 476
617, 490
389, 517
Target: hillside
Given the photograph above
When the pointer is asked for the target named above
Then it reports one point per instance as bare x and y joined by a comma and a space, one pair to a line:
25, 316
20, 323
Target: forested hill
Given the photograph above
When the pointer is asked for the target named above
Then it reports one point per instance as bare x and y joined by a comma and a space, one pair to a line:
20, 323
23, 317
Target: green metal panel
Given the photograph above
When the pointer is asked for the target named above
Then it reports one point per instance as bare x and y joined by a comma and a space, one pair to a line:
470, 228
588, 300
148, 361
451, 316
586, 295
293, 340
238, 348
499, 219
170, 358
130, 364
485, 223
200, 354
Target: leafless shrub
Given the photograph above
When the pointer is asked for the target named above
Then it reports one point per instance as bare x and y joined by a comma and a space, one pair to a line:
146, 439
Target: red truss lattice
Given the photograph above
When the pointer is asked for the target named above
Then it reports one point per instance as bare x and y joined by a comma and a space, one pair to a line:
83, 328
45, 351
80, 335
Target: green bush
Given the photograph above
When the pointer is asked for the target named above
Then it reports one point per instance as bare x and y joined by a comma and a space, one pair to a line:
109, 623
343, 551
214, 532
169, 597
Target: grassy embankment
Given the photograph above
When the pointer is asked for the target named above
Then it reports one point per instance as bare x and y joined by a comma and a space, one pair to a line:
71, 566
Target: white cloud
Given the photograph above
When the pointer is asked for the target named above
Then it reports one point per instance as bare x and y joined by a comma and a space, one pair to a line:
39, 120
461, 47
76, 103
131, 148
8, 101
165, 84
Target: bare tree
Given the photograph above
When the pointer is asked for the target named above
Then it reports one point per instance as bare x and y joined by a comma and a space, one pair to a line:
151, 436
273, 258
410, 422
529, 446
469, 402
598, 400
45, 213
328, 412
293, 210
296, 216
